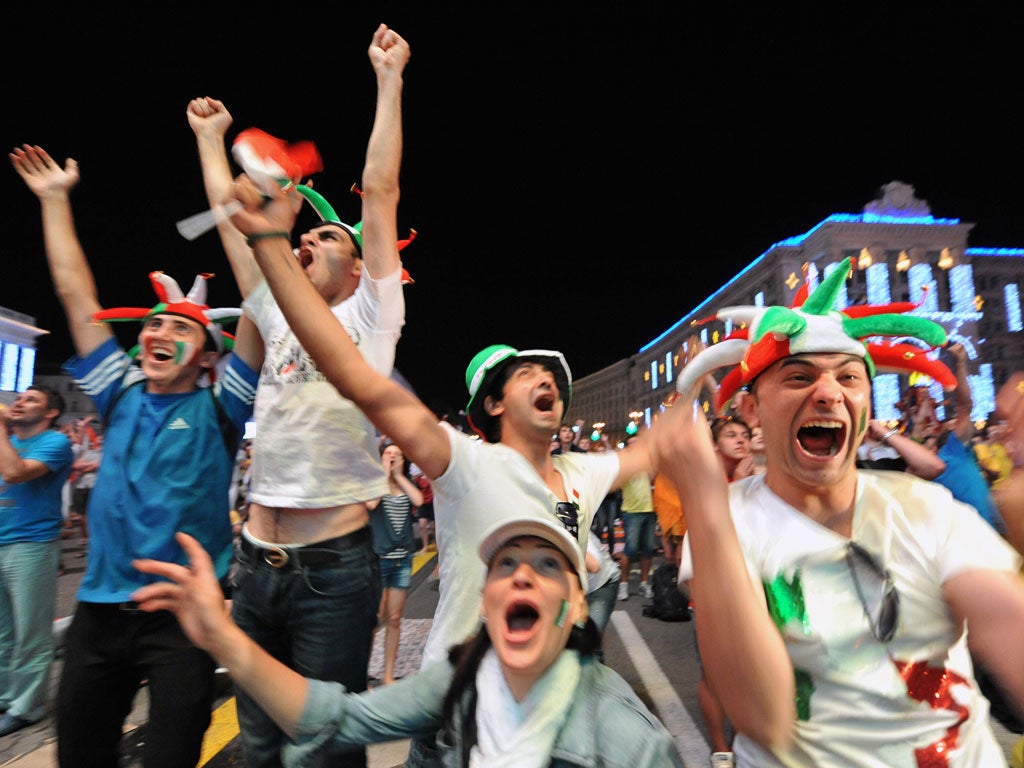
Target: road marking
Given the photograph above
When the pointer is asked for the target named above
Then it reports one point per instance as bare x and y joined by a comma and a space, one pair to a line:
693, 749
223, 728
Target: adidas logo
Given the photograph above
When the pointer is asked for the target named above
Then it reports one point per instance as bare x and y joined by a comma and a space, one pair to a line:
178, 423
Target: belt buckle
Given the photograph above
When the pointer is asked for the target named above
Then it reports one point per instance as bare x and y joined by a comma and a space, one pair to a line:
275, 557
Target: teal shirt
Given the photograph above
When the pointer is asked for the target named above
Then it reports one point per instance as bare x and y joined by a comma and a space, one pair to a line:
31, 511
166, 468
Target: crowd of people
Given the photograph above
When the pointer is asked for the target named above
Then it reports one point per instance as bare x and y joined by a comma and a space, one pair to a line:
855, 585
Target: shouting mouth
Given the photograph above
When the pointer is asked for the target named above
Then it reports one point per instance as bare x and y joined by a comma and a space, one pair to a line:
545, 402
822, 438
520, 619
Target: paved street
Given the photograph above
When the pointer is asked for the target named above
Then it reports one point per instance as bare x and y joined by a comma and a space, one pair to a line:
657, 658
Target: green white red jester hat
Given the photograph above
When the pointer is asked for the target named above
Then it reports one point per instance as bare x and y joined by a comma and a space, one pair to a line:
172, 301
328, 215
769, 334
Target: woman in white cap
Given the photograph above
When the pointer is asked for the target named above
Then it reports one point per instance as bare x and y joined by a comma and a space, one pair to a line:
525, 690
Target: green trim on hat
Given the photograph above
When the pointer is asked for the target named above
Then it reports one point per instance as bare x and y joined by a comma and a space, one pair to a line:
328, 215
490, 361
481, 364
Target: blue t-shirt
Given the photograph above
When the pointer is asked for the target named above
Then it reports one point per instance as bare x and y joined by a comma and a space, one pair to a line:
965, 481
166, 468
31, 511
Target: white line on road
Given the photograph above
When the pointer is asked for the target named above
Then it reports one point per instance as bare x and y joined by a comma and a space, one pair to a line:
693, 749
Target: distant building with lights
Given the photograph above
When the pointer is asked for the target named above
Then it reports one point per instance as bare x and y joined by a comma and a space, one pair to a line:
902, 252
18, 334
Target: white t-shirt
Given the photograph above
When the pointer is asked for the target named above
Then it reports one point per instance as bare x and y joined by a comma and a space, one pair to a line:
313, 448
483, 483
608, 568
856, 708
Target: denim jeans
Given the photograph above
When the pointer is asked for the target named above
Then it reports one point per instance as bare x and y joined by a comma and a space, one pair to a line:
601, 602
28, 596
639, 533
318, 620
604, 518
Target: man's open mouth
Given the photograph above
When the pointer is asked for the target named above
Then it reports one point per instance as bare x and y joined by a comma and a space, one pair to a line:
545, 402
822, 437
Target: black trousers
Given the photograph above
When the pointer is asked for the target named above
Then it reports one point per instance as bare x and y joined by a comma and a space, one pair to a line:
110, 650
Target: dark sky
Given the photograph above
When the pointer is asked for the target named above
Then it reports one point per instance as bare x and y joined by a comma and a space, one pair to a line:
580, 174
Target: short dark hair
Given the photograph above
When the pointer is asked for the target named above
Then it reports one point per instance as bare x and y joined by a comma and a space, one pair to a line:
54, 399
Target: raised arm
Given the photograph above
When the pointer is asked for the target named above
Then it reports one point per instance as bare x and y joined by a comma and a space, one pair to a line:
394, 410
72, 278
737, 633
963, 427
921, 460
388, 54
210, 120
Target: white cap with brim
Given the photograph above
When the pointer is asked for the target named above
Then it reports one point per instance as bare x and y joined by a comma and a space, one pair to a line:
546, 528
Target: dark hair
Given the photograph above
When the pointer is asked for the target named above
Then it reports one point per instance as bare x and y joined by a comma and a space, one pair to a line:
496, 386
492, 429
466, 657
54, 399
720, 423
344, 228
384, 445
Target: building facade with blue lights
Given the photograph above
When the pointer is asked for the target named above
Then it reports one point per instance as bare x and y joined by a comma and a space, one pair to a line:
902, 252
18, 334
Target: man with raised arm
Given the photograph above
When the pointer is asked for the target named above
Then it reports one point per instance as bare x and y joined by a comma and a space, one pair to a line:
169, 452
517, 400
854, 595
315, 461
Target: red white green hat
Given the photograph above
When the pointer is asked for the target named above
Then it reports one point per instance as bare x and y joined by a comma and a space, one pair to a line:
769, 334
484, 368
174, 302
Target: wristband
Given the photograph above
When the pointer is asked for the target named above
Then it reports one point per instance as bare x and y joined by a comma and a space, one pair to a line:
890, 433
252, 239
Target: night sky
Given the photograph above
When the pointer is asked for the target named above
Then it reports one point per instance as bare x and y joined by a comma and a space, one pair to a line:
580, 174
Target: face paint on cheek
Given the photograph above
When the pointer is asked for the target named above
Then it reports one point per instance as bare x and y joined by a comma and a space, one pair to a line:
563, 614
186, 352
862, 427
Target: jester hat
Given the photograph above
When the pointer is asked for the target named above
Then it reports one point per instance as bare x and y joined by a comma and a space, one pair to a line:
174, 302
328, 215
811, 325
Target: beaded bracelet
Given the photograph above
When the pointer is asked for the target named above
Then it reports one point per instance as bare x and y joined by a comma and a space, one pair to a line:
252, 239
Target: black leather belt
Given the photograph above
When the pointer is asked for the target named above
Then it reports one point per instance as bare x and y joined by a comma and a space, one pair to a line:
318, 553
